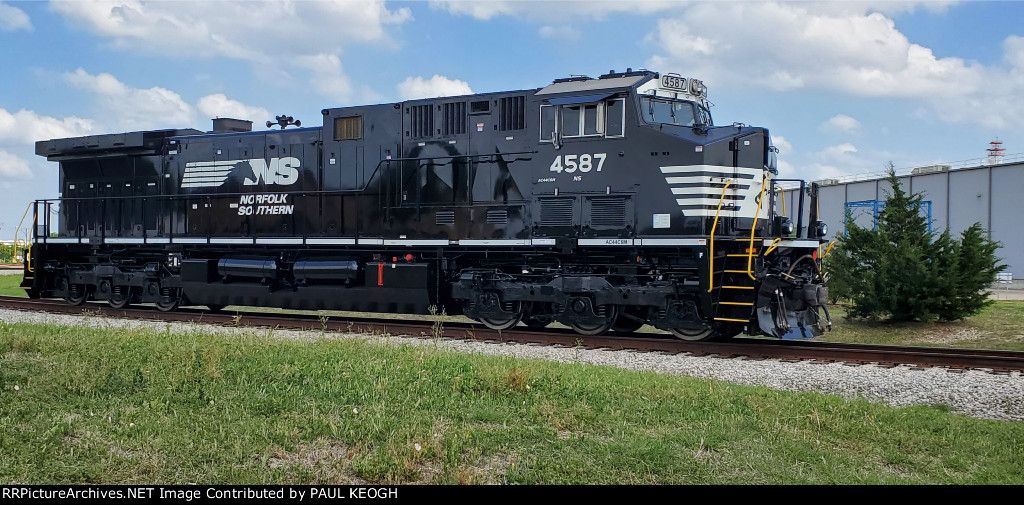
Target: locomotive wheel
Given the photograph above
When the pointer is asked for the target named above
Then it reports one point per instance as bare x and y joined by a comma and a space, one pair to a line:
504, 324
175, 296
78, 296
693, 335
597, 327
120, 298
626, 324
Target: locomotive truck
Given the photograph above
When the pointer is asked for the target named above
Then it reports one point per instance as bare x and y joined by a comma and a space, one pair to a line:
600, 203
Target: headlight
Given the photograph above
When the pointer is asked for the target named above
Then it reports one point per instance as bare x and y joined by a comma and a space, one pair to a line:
784, 226
821, 229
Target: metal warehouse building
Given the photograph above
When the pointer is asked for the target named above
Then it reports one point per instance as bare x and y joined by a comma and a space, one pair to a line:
954, 197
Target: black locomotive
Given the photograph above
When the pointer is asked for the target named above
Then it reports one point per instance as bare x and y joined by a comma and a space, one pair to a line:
602, 203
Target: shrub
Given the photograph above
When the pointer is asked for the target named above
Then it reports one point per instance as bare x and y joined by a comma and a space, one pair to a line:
900, 271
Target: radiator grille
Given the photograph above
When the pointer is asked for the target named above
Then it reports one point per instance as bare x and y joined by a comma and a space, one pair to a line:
512, 113
608, 212
444, 217
421, 121
557, 212
454, 118
497, 216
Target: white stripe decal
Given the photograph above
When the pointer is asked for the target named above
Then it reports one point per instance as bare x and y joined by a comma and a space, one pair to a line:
230, 240
371, 241
606, 241
53, 240
188, 240
330, 241
680, 169
282, 241
122, 240
158, 240
543, 241
416, 242
700, 190
795, 243
672, 241
709, 201
501, 242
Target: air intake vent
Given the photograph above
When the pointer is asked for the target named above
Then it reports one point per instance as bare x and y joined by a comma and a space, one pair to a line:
454, 118
421, 121
556, 212
497, 216
444, 217
512, 113
608, 212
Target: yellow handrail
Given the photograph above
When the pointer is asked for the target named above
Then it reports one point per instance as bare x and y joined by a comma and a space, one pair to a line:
782, 194
22, 221
711, 258
753, 229
773, 246
827, 250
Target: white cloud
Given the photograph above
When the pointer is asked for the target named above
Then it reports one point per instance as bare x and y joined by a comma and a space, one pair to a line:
26, 127
328, 78
783, 144
219, 105
280, 35
120, 107
559, 32
438, 85
838, 152
127, 108
13, 18
236, 29
842, 123
13, 167
845, 47
546, 10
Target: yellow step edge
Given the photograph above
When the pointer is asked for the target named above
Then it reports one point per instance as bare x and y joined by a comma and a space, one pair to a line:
737, 287
736, 271
728, 319
736, 303
741, 255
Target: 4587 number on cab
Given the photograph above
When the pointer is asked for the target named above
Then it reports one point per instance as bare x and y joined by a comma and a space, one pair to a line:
582, 162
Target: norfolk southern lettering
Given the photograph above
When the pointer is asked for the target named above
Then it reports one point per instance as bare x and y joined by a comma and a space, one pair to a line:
264, 205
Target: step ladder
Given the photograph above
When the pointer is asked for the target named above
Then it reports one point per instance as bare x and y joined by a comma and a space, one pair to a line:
734, 296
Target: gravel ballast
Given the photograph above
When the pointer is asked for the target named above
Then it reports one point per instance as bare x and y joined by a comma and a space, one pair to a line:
973, 393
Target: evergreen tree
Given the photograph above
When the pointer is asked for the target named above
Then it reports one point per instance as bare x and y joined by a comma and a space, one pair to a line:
901, 271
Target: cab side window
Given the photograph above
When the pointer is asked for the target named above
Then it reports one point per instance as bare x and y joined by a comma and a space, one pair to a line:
597, 119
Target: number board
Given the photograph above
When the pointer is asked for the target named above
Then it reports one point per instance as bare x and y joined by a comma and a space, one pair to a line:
674, 82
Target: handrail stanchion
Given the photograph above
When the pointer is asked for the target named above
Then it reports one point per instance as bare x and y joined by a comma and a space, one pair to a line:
753, 229
711, 240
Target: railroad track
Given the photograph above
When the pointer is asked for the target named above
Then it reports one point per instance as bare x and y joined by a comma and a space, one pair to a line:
749, 348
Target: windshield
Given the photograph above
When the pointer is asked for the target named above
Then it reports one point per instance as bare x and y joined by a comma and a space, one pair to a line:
680, 112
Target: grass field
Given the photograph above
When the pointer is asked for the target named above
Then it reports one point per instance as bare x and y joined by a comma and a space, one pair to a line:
122, 406
10, 285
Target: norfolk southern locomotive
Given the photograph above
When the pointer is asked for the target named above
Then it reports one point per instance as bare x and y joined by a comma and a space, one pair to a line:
604, 203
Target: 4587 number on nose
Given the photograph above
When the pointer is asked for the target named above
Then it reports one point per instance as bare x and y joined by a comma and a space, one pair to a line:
582, 162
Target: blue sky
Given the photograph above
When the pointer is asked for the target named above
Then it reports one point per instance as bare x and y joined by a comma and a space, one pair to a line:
844, 87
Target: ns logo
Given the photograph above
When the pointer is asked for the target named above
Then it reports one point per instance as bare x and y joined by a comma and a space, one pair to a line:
212, 174
281, 171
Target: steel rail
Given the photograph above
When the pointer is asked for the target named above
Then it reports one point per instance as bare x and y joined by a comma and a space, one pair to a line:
749, 348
